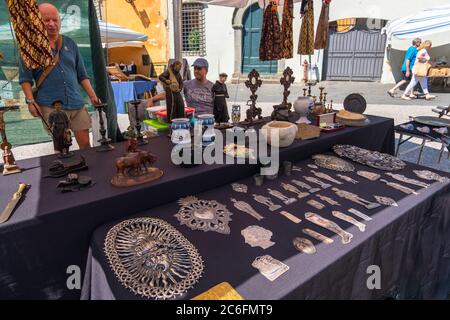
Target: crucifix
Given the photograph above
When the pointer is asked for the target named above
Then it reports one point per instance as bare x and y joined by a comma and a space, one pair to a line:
281, 111
253, 83
9, 163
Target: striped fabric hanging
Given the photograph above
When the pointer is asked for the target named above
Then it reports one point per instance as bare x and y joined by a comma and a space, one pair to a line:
30, 33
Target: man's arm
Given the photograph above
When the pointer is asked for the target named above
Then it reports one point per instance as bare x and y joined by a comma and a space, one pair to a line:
151, 101
32, 106
86, 84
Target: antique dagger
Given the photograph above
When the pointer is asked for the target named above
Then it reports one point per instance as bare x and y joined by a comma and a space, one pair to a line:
12, 203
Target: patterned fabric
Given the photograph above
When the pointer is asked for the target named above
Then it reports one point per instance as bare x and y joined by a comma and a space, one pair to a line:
323, 27
306, 41
30, 32
271, 45
287, 30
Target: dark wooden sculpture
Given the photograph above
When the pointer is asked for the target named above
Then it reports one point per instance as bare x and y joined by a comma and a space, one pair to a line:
253, 83
135, 168
281, 111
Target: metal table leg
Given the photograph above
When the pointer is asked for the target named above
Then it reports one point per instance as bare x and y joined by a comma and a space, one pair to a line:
399, 143
421, 150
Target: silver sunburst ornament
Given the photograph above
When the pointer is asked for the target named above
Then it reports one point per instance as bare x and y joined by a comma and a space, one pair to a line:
152, 259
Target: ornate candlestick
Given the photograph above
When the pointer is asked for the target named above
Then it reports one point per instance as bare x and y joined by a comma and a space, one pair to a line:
253, 83
139, 136
321, 93
309, 89
281, 111
104, 142
304, 91
9, 163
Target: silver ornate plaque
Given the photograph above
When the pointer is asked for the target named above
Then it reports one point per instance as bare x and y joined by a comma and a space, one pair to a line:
368, 175
257, 236
205, 215
245, 207
355, 198
317, 236
277, 194
429, 175
346, 237
332, 163
386, 201
402, 178
361, 226
347, 178
239, 187
269, 267
399, 187
374, 159
359, 214
325, 176
304, 245
267, 202
152, 259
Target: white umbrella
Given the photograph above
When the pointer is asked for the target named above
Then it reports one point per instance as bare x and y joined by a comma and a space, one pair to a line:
432, 24
237, 3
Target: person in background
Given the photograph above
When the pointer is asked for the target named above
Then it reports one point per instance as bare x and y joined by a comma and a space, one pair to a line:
423, 56
63, 82
408, 64
197, 92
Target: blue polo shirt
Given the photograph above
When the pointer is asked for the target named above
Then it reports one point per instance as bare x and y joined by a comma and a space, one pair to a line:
411, 55
63, 83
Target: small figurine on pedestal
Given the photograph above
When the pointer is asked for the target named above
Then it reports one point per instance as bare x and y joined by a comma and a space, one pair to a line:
59, 126
220, 94
130, 135
173, 85
9, 163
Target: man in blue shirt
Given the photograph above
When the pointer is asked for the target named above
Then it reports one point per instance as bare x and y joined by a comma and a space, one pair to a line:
63, 82
408, 64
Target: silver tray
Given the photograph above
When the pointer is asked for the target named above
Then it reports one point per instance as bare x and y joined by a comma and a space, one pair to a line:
432, 121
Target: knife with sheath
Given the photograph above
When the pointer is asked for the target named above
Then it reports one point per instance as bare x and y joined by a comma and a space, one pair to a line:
4, 216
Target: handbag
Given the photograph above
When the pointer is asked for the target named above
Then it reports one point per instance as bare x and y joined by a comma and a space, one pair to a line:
48, 69
421, 69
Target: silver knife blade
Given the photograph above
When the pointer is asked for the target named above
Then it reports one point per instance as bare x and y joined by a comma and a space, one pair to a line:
12, 203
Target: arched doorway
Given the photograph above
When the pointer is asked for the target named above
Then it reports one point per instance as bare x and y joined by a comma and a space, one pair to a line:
252, 24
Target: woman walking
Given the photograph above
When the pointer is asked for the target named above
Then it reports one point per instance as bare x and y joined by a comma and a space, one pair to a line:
419, 71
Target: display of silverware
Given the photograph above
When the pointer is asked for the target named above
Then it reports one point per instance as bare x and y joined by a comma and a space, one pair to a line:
355, 198
402, 178
277, 194
332, 163
291, 188
399, 187
325, 177
374, 159
266, 201
346, 237
247, 208
204, 215
347, 179
306, 186
322, 184
152, 259
386, 201
316, 204
361, 226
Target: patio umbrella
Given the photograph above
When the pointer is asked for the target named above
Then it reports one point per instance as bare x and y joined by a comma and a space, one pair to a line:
432, 24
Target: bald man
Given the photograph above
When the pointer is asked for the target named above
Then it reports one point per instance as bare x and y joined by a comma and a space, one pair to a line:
63, 82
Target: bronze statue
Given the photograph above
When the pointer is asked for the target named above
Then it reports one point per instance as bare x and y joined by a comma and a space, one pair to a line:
9, 163
173, 85
135, 168
59, 126
220, 94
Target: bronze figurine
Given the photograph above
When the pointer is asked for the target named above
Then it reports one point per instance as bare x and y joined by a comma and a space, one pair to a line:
9, 163
173, 85
59, 126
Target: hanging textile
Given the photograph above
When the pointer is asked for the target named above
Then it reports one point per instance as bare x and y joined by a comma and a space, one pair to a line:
287, 30
271, 45
30, 32
306, 40
321, 41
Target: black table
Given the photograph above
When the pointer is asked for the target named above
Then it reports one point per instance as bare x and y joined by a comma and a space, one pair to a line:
50, 231
409, 243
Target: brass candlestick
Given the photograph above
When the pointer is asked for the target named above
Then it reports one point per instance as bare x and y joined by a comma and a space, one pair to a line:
139, 136
105, 143
321, 93
9, 163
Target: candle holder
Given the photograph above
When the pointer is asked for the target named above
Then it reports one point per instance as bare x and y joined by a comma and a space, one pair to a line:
139, 136
9, 163
105, 143
304, 91
321, 93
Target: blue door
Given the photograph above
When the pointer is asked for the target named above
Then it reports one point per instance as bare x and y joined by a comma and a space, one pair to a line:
253, 18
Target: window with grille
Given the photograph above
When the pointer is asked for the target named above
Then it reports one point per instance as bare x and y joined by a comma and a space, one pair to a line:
193, 26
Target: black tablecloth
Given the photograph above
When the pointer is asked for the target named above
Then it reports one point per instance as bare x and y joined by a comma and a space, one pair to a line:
50, 231
410, 243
